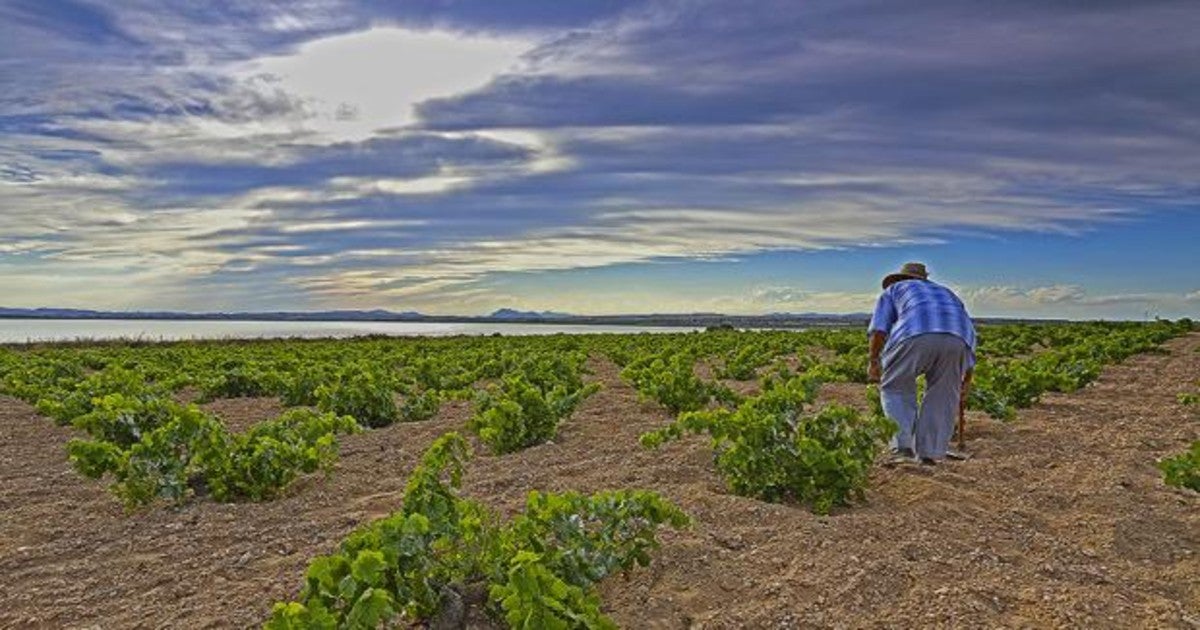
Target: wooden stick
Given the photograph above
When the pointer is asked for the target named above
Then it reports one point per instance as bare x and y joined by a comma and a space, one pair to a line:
962, 427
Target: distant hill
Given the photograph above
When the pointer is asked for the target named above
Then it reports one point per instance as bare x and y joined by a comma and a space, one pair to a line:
314, 316
512, 314
503, 315
824, 316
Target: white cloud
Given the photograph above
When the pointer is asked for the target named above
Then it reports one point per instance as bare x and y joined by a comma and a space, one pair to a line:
628, 236
779, 295
360, 83
795, 299
433, 184
1056, 294
341, 88
1068, 301
338, 226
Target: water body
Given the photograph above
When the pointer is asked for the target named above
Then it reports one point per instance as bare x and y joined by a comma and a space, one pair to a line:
29, 330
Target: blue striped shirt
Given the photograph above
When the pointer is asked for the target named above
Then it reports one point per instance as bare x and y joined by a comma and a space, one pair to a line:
914, 307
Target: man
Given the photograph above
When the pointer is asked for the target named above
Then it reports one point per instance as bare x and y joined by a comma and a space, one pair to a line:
921, 327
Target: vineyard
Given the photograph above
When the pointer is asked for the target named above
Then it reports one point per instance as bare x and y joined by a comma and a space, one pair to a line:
784, 420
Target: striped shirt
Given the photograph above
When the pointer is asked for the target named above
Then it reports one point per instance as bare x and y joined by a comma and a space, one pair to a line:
914, 307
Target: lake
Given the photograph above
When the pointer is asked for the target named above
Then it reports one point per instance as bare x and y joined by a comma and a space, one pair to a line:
26, 330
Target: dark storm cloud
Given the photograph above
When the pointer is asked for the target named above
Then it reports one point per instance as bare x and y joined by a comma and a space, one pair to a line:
1085, 66
1092, 106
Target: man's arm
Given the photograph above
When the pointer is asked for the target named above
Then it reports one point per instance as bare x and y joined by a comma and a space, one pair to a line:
881, 323
875, 367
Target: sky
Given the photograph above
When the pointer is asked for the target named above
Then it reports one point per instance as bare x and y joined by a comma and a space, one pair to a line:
459, 156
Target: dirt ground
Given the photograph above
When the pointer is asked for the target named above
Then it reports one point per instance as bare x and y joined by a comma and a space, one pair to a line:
1060, 519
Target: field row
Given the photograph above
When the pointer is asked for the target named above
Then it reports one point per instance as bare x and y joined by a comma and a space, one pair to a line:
750, 392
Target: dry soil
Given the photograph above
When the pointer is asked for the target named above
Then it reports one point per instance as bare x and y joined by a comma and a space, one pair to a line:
1059, 519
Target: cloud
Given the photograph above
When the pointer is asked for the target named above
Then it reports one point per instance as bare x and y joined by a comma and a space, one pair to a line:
324, 152
1065, 300
1056, 294
397, 156
779, 295
359, 83
766, 299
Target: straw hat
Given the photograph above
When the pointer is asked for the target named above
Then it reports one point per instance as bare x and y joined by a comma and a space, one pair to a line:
910, 271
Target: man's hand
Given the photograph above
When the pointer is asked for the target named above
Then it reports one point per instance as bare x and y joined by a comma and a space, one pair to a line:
874, 368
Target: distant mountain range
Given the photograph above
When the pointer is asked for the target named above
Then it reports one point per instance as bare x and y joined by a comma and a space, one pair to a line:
508, 313
781, 320
503, 315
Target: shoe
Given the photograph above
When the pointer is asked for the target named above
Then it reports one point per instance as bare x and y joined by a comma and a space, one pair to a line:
961, 456
929, 461
901, 456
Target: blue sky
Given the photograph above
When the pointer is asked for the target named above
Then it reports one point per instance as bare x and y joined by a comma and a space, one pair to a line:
597, 157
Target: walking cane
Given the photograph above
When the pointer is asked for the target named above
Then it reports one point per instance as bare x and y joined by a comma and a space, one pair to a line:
959, 452
962, 427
